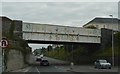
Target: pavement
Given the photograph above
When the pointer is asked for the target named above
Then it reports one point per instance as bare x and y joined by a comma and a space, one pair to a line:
67, 69
64, 67
88, 68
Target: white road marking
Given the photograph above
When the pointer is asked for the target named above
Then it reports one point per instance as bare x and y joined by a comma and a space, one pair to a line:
37, 70
55, 66
27, 69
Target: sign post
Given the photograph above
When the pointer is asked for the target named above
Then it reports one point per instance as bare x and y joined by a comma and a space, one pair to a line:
3, 44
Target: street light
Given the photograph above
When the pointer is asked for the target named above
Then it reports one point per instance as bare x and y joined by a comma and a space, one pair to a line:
112, 40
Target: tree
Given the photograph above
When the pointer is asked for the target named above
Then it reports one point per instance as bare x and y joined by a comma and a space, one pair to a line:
43, 49
49, 48
117, 39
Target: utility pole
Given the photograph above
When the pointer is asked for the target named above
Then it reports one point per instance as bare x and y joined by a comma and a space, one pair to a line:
112, 40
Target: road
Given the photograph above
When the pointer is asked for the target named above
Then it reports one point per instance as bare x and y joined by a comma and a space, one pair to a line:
46, 69
66, 69
62, 67
54, 63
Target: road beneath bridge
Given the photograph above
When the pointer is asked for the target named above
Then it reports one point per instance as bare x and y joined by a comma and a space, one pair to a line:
62, 67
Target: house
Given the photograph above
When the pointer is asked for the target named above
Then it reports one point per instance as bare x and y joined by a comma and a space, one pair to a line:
109, 23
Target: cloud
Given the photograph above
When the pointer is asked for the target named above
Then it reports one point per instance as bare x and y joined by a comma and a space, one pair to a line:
119, 9
0, 8
64, 13
60, 0
36, 46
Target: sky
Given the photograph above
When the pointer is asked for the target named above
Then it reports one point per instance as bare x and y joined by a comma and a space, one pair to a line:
37, 46
58, 12
59, 0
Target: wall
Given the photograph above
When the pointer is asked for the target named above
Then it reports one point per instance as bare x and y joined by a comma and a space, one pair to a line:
18, 28
6, 23
15, 60
30, 59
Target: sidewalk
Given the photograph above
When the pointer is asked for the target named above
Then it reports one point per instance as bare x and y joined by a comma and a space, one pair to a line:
22, 70
75, 68
89, 69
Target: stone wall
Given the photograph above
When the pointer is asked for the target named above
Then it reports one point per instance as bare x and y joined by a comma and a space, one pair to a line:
30, 59
6, 24
15, 60
18, 28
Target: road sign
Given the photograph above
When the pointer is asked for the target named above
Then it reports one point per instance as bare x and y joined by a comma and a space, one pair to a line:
3, 43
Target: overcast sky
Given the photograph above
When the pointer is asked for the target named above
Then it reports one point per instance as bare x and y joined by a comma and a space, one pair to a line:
60, 0
58, 13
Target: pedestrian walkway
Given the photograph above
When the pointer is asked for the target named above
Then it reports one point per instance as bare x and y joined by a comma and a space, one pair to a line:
83, 68
22, 70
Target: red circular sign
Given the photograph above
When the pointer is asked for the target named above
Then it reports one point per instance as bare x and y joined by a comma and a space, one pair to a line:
4, 43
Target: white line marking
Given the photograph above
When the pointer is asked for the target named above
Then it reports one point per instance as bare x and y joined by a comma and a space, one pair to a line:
38, 70
27, 69
55, 66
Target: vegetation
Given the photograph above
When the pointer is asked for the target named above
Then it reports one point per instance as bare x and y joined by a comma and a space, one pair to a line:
42, 50
58, 53
108, 50
80, 52
63, 54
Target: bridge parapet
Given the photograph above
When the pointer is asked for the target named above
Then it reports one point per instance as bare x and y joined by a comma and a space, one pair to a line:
33, 31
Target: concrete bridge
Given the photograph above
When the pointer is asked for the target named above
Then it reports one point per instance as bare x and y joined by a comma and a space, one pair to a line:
49, 34
54, 33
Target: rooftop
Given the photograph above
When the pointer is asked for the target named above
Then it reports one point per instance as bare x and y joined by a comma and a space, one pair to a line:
103, 20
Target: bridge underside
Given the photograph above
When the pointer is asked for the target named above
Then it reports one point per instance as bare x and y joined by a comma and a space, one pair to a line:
90, 47
56, 42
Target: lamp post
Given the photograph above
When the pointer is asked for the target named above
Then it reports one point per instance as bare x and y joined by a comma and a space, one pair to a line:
112, 40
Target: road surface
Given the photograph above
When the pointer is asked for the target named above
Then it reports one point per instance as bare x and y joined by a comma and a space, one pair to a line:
46, 69
62, 67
